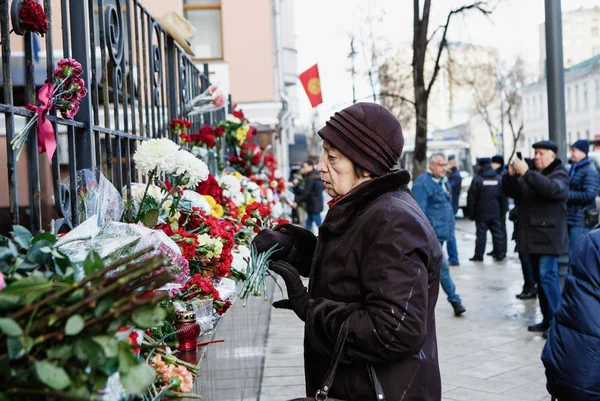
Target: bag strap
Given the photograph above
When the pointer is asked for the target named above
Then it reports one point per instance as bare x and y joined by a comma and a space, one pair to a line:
337, 356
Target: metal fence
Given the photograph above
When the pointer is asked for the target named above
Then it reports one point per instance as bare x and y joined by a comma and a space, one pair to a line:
138, 79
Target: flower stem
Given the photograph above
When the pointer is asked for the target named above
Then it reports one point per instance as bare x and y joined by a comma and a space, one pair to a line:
150, 179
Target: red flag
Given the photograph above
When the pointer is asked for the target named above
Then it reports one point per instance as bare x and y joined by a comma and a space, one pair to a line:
312, 85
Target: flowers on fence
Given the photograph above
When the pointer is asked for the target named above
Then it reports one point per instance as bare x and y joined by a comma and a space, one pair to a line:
31, 17
211, 99
65, 93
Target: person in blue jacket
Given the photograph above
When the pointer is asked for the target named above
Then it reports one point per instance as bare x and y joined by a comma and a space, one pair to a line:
455, 181
571, 355
433, 194
583, 187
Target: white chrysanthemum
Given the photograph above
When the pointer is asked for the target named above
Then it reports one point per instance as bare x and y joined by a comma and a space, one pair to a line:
189, 166
233, 119
231, 185
254, 190
213, 246
197, 200
114, 391
238, 199
241, 256
199, 152
159, 154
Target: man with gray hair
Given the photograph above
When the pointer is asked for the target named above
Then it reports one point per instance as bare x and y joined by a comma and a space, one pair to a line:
434, 196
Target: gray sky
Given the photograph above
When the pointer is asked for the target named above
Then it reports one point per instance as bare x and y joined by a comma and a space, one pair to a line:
324, 27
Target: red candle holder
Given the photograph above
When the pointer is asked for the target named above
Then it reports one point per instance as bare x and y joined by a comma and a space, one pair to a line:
189, 331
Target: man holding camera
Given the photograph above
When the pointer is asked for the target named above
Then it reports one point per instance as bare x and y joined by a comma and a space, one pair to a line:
542, 220
583, 186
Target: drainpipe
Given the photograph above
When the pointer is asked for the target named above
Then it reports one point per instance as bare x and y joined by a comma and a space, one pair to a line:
284, 115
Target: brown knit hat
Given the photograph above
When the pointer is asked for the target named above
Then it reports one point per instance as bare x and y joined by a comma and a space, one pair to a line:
368, 134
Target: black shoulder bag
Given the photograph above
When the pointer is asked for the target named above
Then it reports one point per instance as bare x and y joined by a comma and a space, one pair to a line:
337, 355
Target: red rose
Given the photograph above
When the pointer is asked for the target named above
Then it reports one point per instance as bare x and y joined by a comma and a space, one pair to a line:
33, 17
234, 160
219, 131
212, 188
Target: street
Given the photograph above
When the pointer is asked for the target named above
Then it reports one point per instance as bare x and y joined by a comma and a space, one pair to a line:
485, 355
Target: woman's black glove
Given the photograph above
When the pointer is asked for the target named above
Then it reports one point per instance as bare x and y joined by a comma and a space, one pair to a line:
266, 239
298, 299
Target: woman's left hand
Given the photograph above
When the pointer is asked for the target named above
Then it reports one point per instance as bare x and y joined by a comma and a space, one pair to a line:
298, 298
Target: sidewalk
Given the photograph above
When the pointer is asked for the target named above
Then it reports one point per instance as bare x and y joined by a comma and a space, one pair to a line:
485, 355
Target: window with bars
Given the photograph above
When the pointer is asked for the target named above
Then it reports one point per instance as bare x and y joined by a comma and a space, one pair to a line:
206, 17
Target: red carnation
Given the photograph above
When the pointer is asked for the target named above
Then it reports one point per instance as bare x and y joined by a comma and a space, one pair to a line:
207, 130
239, 114
255, 161
208, 139
219, 131
33, 17
251, 133
212, 188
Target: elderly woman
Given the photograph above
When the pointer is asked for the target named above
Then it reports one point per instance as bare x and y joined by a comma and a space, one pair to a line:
375, 264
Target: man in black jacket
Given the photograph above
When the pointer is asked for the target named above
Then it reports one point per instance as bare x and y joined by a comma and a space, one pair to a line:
311, 195
542, 220
484, 203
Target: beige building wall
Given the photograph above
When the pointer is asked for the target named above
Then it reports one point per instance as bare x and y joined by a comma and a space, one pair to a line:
581, 37
248, 49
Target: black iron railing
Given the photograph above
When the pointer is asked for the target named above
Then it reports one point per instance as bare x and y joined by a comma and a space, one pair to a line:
138, 79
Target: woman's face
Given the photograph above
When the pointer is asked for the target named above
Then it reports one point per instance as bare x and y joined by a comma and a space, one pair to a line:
337, 172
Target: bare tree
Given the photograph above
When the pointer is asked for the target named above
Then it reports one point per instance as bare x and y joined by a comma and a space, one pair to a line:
422, 90
506, 100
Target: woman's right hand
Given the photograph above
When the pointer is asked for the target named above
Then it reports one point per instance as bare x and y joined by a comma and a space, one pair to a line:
266, 239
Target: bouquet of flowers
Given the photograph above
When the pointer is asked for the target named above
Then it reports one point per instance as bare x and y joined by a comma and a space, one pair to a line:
64, 93
210, 100
170, 168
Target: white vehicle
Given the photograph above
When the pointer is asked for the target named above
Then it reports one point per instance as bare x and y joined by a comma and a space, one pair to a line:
458, 148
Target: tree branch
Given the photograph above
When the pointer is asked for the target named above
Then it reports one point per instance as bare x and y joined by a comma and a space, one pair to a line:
395, 96
477, 5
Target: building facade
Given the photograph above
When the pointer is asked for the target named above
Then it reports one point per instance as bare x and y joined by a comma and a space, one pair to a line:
582, 105
581, 37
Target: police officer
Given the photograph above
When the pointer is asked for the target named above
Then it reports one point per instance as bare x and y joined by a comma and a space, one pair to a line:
484, 205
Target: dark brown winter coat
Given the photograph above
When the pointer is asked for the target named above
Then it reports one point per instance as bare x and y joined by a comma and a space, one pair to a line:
377, 263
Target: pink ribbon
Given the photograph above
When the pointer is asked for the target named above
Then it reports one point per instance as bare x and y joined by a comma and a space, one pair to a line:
46, 137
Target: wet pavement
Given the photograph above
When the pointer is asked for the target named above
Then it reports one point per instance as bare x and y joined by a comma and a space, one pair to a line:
485, 355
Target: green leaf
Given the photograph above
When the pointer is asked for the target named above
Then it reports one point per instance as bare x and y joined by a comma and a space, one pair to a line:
10, 327
150, 218
15, 347
92, 263
44, 236
52, 375
7, 253
37, 252
74, 325
109, 345
21, 236
126, 357
148, 316
10, 302
138, 378
27, 285
26, 265
63, 352
76, 295
94, 353
103, 306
